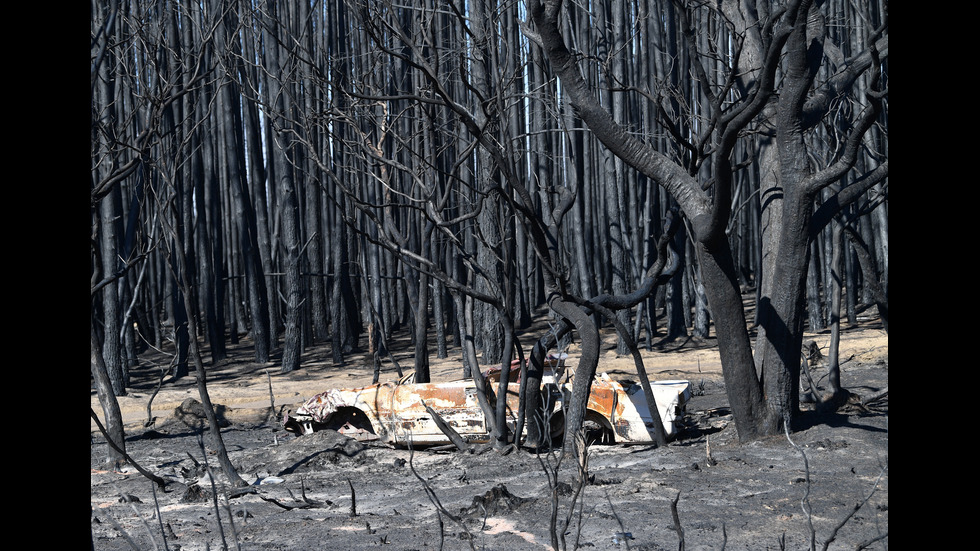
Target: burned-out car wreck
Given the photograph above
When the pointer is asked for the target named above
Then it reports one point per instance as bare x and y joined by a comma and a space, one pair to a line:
395, 411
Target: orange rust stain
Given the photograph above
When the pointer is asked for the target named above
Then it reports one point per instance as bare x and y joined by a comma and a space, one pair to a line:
602, 399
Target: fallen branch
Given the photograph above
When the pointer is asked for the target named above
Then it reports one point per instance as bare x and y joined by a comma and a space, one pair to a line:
677, 522
302, 503
881, 395
450, 432
288, 506
159, 481
867, 543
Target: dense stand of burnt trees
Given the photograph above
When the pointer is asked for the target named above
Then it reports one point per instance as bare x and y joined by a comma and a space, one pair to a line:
333, 172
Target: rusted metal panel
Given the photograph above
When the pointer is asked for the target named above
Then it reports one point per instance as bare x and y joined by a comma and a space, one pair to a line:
452, 400
602, 398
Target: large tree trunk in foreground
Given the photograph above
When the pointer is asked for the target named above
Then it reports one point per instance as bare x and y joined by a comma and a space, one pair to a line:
782, 312
760, 402
718, 270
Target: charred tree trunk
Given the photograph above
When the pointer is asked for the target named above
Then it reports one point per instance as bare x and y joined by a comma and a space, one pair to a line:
201, 376
107, 398
288, 203
837, 394
231, 127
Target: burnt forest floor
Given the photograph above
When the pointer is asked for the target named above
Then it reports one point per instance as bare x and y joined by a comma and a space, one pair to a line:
325, 491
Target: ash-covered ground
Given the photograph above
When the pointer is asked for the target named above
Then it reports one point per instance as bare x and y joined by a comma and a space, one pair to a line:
325, 491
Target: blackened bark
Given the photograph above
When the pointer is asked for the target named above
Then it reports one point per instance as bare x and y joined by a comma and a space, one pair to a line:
230, 119
483, 397
875, 279
110, 213
741, 384
713, 249
316, 300
210, 283
319, 318
674, 303
107, 398
287, 206
178, 319
501, 432
337, 317
344, 318
107, 207
421, 327
292, 283
201, 376
585, 370
836, 390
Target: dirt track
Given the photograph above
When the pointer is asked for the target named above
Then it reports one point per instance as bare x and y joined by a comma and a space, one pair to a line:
743, 496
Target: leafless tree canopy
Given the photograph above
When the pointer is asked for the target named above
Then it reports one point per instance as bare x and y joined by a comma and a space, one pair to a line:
330, 173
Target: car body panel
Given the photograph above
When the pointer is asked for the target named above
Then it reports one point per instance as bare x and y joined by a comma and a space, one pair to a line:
395, 411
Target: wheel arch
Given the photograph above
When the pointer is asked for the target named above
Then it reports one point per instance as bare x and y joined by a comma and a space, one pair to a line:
603, 433
350, 419
596, 425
